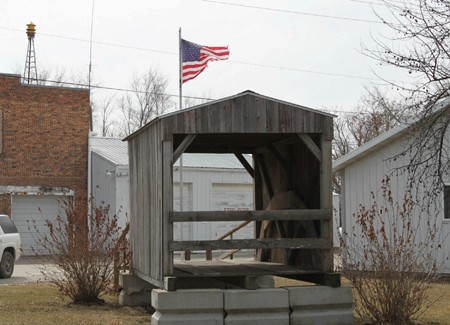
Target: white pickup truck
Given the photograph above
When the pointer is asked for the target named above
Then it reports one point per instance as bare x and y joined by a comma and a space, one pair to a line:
9, 246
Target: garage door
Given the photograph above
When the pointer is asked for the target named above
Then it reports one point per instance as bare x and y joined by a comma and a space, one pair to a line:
231, 197
29, 213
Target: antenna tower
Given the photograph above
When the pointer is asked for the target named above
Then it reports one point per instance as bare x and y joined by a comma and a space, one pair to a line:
30, 72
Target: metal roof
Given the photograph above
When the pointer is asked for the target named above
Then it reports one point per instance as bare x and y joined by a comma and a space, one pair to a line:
113, 149
383, 139
208, 160
116, 151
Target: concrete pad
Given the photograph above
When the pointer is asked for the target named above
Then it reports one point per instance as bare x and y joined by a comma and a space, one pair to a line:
29, 269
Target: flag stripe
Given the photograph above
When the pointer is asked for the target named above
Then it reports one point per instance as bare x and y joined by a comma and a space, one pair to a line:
196, 58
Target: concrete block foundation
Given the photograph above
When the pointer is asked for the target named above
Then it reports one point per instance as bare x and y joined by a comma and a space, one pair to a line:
135, 291
318, 305
262, 306
305, 305
188, 307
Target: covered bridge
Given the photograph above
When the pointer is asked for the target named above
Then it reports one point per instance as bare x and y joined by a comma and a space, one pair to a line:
291, 149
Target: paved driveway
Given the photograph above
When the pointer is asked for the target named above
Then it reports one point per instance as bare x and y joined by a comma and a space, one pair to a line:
28, 269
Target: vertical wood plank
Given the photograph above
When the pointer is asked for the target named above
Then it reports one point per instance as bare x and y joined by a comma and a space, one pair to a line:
167, 206
248, 115
259, 107
214, 118
154, 191
285, 117
326, 230
272, 117
236, 116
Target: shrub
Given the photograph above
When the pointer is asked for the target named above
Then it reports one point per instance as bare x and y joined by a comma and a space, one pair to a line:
83, 250
390, 260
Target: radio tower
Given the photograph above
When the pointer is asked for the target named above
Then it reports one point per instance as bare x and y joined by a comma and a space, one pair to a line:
30, 72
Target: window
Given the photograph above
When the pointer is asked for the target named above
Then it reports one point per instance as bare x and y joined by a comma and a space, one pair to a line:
446, 201
7, 225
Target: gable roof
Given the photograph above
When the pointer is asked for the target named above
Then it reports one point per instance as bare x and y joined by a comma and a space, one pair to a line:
244, 113
381, 141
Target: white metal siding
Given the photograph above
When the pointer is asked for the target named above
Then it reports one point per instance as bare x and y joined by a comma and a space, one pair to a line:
231, 197
123, 197
364, 176
202, 180
182, 230
336, 221
103, 182
29, 213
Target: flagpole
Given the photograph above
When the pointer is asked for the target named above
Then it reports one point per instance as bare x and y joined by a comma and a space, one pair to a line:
181, 67
186, 254
181, 107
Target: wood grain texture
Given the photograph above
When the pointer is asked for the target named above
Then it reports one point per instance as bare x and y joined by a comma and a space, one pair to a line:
257, 215
294, 243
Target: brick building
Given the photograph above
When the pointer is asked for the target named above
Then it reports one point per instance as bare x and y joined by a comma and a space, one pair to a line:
43, 153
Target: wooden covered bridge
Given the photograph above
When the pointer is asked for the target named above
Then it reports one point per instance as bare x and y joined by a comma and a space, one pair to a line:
291, 149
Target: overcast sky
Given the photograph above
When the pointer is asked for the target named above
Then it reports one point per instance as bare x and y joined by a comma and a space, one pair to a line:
292, 52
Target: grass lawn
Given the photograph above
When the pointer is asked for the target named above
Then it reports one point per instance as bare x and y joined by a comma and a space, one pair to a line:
39, 303
437, 314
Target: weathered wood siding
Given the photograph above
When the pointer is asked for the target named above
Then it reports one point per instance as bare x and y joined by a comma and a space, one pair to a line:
147, 200
247, 114
244, 123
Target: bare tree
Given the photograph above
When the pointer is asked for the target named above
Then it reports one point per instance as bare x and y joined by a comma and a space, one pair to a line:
105, 109
420, 45
189, 101
147, 100
375, 114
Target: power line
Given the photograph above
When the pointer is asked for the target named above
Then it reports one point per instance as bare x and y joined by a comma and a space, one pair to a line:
305, 70
293, 12
231, 61
172, 95
368, 2
95, 42
82, 85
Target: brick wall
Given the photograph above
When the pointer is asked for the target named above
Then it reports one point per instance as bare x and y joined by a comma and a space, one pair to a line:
44, 137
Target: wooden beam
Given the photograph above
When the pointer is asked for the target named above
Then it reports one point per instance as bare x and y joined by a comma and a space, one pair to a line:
265, 175
245, 163
167, 201
254, 215
312, 146
267, 243
183, 146
326, 226
232, 231
285, 142
326, 279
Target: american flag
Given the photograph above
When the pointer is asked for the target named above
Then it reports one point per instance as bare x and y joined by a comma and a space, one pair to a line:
196, 58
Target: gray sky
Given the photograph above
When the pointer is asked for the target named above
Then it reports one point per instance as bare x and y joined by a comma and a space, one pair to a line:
309, 53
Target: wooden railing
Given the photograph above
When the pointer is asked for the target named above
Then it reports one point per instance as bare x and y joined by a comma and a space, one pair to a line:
230, 234
247, 217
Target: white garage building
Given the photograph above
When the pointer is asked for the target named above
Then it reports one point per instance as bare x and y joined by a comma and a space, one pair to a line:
31, 208
211, 182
